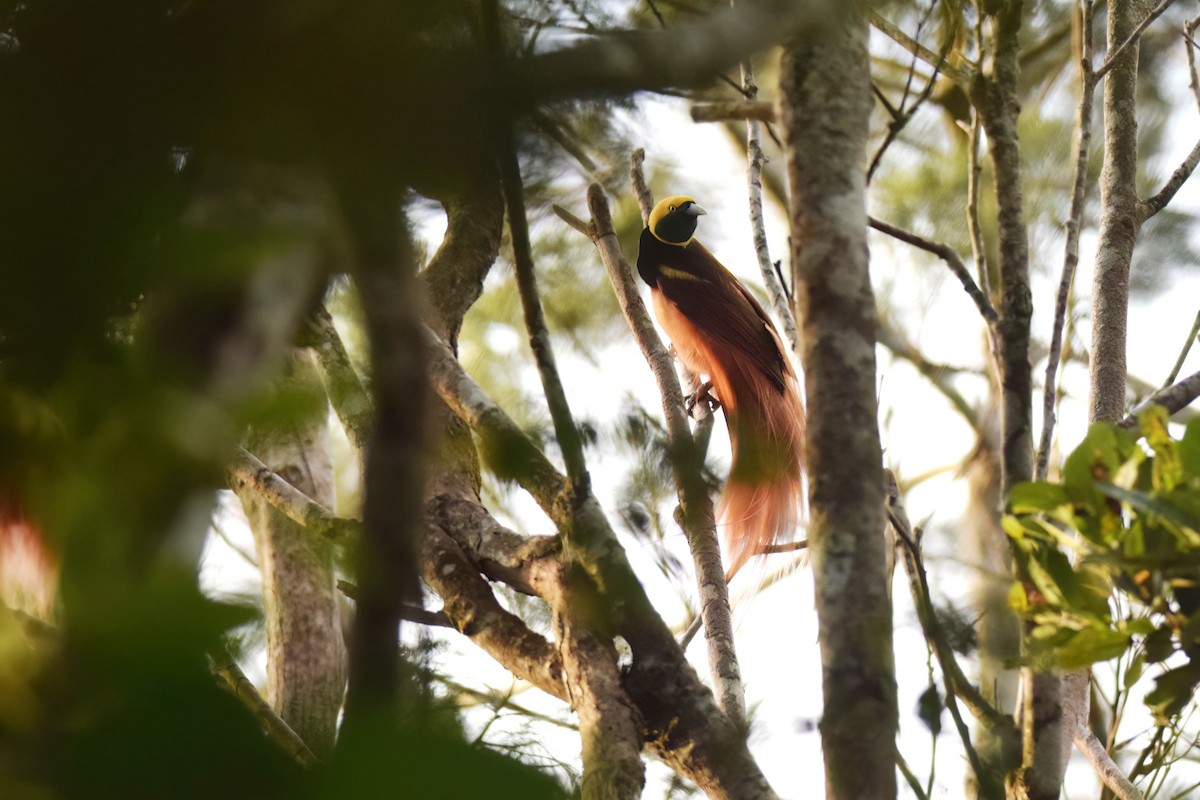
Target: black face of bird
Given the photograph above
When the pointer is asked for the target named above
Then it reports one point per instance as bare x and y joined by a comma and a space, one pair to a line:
674, 220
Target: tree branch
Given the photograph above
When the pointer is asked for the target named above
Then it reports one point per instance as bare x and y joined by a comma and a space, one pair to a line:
1083, 141
638, 179
683, 724
947, 254
679, 56
566, 432
1148, 208
958, 69
248, 473
1174, 398
1183, 353
347, 395
726, 110
756, 159
1108, 771
472, 608
828, 78
271, 723
453, 279
686, 461
1131, 40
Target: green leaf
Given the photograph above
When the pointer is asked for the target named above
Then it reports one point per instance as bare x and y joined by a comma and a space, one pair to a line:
929, 709
1018, 600
1153, 422
1160, 645
1046, 580
1134, 673
1172, 691
1016, 529
1096, 458
1091, 645
1148, 504
1189, 449
1029, 497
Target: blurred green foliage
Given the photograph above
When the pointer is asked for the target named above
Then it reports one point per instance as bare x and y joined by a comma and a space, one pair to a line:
1128, 507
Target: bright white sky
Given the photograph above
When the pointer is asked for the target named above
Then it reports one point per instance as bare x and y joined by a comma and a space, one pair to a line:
776, 629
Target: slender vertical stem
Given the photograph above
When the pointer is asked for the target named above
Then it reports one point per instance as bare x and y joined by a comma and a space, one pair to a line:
754, 152
1083, 141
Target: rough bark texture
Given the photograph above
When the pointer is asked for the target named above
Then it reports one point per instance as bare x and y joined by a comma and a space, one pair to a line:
687, 460
679, 721
682, 724
994, 94
306, 659
825, 102
1119, 222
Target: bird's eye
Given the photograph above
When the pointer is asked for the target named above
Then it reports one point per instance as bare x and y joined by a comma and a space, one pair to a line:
670, 208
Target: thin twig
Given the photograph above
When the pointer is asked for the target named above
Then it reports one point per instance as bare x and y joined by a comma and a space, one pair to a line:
638, 178
756, 159
1131, 39
1183, 353
910, 777
1164, 195
902, 115
947, 254
957, 684
1083, 141
958, 69
566, 432
974, 171
1190, 46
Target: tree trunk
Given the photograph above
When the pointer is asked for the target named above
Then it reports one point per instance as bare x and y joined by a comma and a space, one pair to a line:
306, 658
826, 78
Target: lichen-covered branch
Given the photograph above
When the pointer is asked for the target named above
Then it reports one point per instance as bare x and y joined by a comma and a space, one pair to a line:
826, 77
687, 462
306, 657
342, 382
758, 228
249, 473
473, 609
683, 725
453, 279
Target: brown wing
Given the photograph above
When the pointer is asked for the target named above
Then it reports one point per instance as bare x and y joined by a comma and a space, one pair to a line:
718, 304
